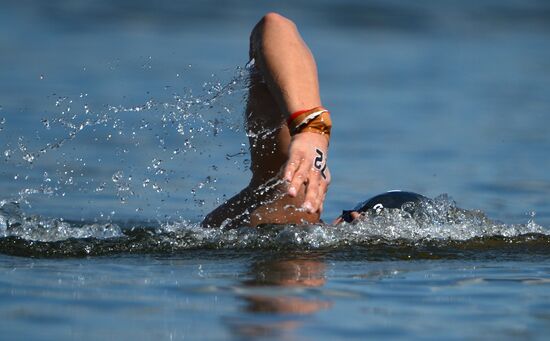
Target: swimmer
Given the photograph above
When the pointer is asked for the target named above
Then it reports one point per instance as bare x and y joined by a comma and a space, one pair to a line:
289, 134
389, 200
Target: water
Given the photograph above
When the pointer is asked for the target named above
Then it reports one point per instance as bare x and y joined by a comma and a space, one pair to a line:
121, 127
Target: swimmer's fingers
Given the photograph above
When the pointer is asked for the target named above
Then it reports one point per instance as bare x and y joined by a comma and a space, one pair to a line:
299, 177
313, 196
289, 174
316, 190
323, 189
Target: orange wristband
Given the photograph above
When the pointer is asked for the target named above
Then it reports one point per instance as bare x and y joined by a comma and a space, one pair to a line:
316, 120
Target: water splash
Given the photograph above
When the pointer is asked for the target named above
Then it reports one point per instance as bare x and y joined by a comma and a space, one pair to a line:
161, 137
13, 222
436, 224
168, 133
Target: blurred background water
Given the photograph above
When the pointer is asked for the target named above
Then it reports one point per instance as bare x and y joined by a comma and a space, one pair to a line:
130, 112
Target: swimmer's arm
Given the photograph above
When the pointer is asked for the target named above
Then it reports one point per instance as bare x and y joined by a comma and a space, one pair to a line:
286, 64
289, 69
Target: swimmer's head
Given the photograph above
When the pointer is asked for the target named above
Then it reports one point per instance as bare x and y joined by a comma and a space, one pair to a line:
392, 199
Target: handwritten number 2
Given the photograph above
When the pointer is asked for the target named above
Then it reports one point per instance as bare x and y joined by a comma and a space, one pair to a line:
320, 163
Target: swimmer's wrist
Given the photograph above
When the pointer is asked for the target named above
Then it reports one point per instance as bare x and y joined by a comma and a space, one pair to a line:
316, 120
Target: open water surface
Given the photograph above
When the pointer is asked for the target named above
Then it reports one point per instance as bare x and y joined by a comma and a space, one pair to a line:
121, 127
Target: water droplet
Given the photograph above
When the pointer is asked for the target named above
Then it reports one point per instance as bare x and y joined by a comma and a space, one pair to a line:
101, 187
28, 157
117, 176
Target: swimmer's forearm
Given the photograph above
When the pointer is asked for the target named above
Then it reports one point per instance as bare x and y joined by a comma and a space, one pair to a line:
288, 67
286, 64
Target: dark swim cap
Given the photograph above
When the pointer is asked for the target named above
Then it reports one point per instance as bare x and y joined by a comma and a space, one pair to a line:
391, 199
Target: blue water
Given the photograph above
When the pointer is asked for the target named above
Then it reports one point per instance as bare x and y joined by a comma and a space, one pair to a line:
223, 296
121, 127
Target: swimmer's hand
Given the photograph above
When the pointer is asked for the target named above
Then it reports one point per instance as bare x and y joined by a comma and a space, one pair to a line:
307, 165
